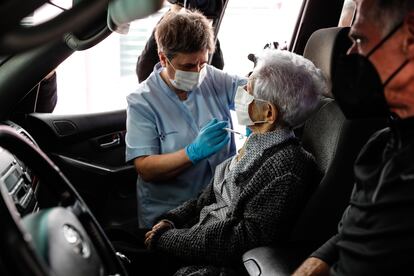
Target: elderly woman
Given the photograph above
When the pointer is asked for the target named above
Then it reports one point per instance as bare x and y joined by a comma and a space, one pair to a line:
255, 196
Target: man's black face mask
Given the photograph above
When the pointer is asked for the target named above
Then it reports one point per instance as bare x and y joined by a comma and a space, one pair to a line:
357, 86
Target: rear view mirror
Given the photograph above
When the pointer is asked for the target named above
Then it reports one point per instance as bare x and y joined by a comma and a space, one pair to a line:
122, 12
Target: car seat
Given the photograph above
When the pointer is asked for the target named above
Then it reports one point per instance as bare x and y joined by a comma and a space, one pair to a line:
335, 142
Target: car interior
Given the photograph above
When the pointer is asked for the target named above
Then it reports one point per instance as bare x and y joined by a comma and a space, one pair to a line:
68, 171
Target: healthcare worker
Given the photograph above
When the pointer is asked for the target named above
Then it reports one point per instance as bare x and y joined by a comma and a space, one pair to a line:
175, 119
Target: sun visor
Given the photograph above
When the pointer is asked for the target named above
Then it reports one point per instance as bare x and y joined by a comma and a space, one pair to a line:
122, 12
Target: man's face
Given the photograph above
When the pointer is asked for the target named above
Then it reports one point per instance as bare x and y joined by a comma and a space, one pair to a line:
366, 33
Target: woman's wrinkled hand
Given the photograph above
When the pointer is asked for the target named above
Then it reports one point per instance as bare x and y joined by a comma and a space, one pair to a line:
160, 226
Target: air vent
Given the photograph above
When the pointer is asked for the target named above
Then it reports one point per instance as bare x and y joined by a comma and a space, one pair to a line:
64, 128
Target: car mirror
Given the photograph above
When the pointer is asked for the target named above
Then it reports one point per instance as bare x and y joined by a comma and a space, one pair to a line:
122, 12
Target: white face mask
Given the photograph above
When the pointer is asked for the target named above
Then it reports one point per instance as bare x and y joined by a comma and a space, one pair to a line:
242, 101
187, 81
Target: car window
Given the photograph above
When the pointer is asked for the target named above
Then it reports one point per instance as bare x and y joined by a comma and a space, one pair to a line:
99, 79
347, 13
247, 27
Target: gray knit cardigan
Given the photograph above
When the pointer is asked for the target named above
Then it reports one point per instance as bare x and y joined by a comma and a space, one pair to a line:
263, 215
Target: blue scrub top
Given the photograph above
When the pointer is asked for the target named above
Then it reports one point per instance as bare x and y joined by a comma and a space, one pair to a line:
158, 122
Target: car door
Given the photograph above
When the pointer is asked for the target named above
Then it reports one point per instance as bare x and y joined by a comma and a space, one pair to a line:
90, 151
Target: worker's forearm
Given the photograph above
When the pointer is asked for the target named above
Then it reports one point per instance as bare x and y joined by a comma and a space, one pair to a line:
163, 166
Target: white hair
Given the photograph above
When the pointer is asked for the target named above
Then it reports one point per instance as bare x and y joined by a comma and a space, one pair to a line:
289, 81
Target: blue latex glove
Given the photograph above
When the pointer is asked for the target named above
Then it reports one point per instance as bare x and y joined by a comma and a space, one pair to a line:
211, 138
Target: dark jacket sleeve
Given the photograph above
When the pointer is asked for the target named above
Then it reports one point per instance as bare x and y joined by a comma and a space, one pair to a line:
147, 60
217, 59
328, 252
262, 221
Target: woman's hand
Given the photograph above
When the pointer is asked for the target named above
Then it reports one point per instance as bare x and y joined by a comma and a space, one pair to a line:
163, 226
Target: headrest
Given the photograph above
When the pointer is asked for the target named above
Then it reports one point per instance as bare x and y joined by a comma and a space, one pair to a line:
325, 46
122, 12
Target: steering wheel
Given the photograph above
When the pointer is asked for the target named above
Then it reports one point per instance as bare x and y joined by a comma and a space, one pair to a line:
63, 238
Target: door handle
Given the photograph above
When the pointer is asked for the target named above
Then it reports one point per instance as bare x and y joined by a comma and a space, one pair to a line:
116, 140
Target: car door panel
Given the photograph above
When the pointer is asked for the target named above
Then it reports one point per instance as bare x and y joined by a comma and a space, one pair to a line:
90, 151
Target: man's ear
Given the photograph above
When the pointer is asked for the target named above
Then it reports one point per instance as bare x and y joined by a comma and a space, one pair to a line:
163, 59
409, 40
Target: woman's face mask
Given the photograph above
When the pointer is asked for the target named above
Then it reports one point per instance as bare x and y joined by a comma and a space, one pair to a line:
187, 81
242, 101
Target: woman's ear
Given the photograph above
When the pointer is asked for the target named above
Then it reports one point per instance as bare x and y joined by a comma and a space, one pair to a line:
272, 113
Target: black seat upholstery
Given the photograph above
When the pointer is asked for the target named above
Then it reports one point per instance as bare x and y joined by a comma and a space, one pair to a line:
335, 143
